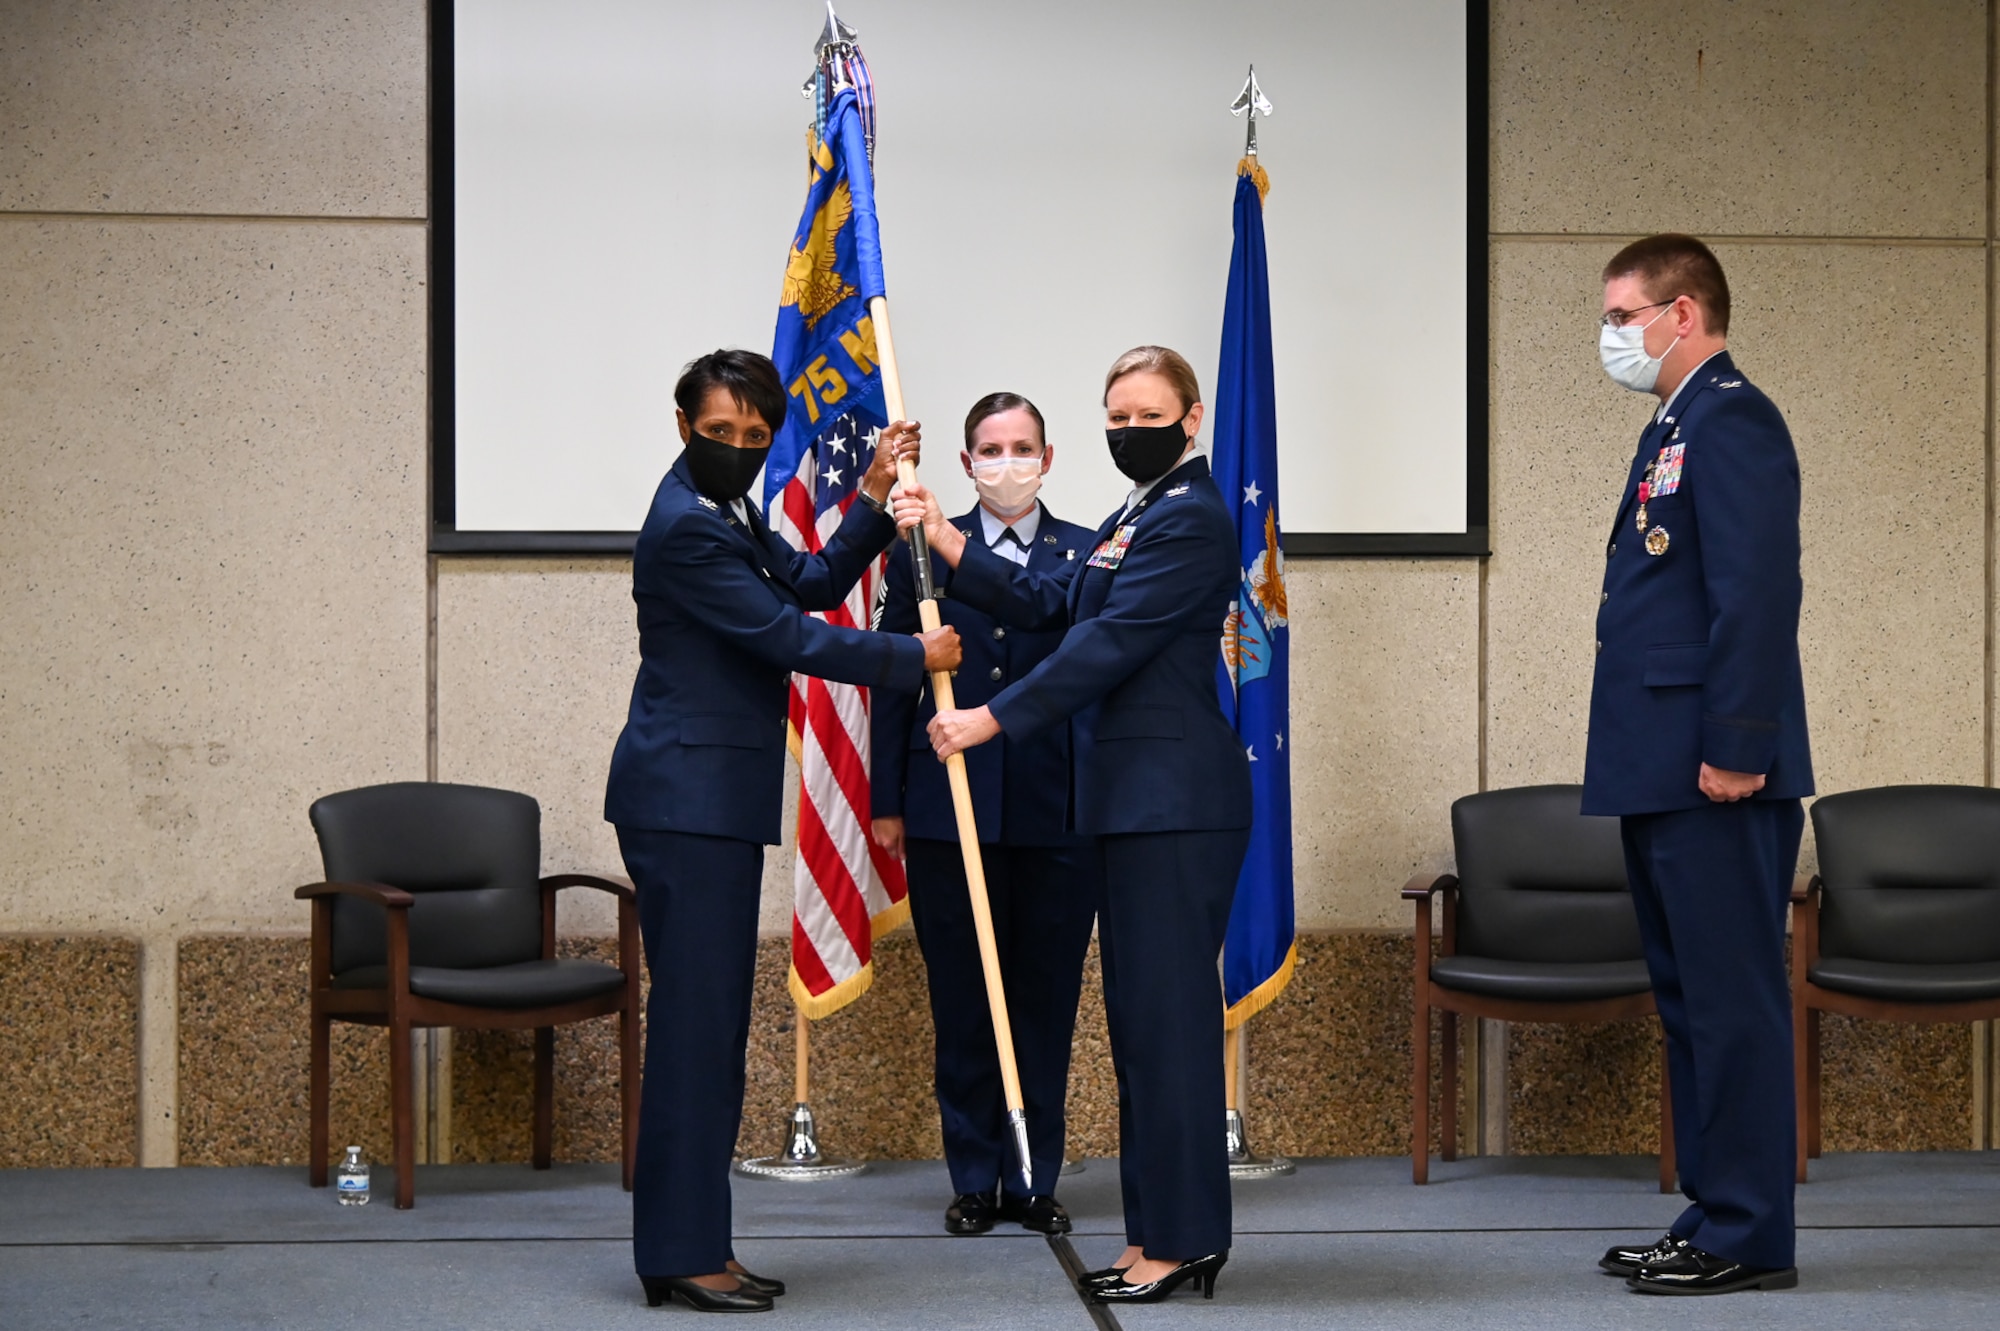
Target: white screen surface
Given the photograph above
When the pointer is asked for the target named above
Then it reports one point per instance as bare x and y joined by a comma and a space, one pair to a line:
1054, 185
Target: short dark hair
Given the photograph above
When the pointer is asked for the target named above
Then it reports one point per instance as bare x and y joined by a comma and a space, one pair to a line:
749, 378
995, 403
1673, 265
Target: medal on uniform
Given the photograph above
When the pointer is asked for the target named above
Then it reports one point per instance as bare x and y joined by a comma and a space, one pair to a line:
1656, 541
1111, 553
1645, 493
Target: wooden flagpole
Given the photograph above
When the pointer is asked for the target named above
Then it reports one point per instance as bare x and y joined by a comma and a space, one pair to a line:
961, 790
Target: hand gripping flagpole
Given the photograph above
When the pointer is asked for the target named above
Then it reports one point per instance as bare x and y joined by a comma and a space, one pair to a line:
954, 766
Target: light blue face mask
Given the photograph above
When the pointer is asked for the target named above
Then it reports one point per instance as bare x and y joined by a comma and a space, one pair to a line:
1623, 352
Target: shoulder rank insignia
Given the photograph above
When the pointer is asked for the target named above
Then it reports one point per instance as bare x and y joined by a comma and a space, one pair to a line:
706, 502
1733, 383
1180, 489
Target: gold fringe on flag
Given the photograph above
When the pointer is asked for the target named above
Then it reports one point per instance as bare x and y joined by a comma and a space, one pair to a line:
1264, 994
1251, 167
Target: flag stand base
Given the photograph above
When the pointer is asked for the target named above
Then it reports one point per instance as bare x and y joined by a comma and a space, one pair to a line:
801, 1160
1242, 1164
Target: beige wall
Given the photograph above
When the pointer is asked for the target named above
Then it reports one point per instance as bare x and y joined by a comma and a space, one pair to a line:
212, 389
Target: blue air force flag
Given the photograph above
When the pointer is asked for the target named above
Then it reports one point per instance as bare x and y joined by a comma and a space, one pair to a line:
824, 346
1253, 675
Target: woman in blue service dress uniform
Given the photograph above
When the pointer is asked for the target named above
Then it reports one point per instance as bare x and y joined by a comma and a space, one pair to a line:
1159, 777
697, 780
1041, 878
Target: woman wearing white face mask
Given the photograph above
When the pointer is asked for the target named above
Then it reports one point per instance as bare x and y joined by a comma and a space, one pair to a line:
1041, 879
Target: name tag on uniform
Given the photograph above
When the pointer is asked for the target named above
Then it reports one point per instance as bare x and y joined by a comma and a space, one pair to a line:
1112, 553
1667, 470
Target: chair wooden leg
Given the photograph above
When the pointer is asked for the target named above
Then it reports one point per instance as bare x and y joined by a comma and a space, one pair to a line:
1667, 1158
545, 1095
1814, 1121
318, 1090
1448, 1085
402, 1113
1420, 1101
628, 1087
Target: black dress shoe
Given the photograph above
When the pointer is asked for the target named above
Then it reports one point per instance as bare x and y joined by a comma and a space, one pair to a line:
1201, 1270
970, 1213
1041, 1213
1629, 1261
761, 1284
743, 1299
1692, 1271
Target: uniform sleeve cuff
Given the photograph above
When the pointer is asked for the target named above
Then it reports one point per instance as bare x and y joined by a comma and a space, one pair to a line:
1749, 747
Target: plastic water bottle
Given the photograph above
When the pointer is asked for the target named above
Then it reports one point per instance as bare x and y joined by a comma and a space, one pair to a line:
350, 1181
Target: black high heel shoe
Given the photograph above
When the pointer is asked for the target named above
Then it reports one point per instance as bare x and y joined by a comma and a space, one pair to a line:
743, 1299
759, 1284
1104, 1275
1201, 1270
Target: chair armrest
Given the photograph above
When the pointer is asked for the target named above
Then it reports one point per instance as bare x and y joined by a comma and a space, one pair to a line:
1424, 885
617, 887
1804, 885
395, 898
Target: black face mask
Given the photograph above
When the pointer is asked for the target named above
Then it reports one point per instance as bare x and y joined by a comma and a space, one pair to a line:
722, 471
1147, 452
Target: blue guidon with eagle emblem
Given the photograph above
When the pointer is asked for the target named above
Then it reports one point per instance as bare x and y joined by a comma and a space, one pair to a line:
824, 346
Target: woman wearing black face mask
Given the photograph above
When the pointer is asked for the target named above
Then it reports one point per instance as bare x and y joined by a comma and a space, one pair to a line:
1158, 777
697, 780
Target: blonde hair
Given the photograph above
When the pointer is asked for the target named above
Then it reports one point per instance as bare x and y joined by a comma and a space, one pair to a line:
1163, 361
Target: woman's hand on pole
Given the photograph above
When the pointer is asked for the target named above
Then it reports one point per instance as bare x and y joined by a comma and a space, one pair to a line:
917, 506
941, 649
902, 439
955, 732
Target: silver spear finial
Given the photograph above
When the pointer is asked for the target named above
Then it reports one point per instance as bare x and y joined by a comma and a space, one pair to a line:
1251, 99
837, 33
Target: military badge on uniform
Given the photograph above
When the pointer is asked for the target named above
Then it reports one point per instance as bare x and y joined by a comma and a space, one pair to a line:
705, 502
1656, 541
1645, 492
1667, 469
1180, 489
1112, 553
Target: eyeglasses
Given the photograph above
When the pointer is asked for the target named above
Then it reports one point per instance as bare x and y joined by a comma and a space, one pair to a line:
1619, 318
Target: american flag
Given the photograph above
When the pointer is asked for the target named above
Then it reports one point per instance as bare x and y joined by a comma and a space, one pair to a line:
846, 891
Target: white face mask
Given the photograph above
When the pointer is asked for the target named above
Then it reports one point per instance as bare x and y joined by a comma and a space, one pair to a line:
1008, 485
1623, 352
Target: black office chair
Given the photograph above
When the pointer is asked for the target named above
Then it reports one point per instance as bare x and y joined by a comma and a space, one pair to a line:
1902, 922
434, 913
1538, 926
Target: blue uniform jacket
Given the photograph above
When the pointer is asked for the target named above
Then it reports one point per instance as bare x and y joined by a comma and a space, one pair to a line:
720, 629
1135, 674
1020, 786
1698, 642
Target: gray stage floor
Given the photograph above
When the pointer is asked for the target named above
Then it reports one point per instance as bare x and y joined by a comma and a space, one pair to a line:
1885, 1241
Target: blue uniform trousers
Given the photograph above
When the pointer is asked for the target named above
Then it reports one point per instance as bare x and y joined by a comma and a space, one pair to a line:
1044, 899
1166, 909
698, 899
1711, 886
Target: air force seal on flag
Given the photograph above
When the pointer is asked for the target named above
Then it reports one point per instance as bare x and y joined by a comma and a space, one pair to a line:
1260, 608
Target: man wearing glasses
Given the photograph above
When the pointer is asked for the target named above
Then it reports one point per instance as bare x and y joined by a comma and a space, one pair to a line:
1698, 744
